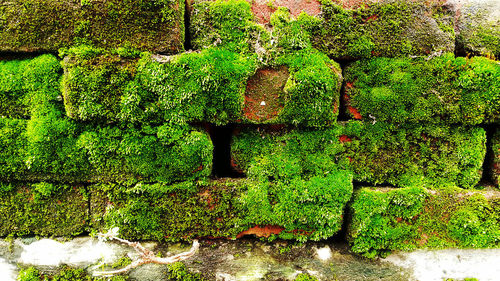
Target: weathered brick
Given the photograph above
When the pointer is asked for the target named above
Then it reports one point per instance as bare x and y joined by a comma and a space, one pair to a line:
385, 219
47, 25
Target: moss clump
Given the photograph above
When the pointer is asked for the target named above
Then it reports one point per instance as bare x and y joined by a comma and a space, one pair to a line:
43, 209
164, 212
228, 24
386, 28
56, 151
45, 25
375, 153
178, 272
404, 219
208, 86
66, 274
495, 149
305, 277
444, 89
24, 82
305, 208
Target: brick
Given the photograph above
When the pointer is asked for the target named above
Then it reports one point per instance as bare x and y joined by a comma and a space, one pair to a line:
386, 219
376, 28
43, 209
46, 25
442, 90
377, 153
216, 86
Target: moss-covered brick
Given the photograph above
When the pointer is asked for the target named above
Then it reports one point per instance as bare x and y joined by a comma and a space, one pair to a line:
293, 208
379, 28
375, 153
479, 29
60, 150
280, 200
164, 212
20, 80
214, 85
495, 154
385, 219
385, 28
442, 90
46, 25
44, 209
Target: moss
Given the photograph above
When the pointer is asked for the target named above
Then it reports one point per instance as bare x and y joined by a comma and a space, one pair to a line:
305, 277
44, 25
375, 153
164, 212
228, 24
194, 87
443, 90
383, 28
404, 219
206, 86
23, 82
386, 28
479, 32
178, 272
306, 208
66, 274
43, 209
495, 152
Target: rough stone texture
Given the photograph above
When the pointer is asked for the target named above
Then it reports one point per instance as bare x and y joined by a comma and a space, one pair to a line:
478, 27
47, 25
385, 219
43, 209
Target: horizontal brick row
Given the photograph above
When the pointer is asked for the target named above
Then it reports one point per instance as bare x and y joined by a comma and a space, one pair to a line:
379, 153
385, 219
47, 26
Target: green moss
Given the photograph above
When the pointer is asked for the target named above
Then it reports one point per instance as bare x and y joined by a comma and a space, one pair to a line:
306, 208
228, 24
375, 153
66, 274
387, 28
479, 31
495, 153
444, 89
24, 82
208, 86
312, 91
178, 272
305, 277
404, 219
44, 25
43, 209
164, 212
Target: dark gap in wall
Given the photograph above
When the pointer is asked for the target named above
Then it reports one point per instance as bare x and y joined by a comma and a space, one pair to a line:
343, 116
187, 25
221, 138
487, 177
